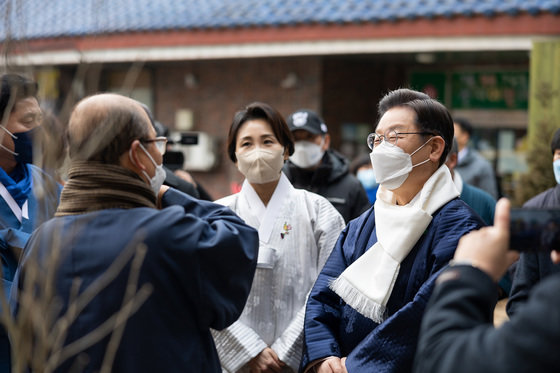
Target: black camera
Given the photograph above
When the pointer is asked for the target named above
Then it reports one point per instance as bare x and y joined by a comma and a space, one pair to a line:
174, 157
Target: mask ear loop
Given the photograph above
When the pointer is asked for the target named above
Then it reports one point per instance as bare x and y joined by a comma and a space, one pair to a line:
421, 146
13, 137
130, 157
9, 133
148, 154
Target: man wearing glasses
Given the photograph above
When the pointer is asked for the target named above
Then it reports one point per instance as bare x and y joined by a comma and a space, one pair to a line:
193, 260
364, 312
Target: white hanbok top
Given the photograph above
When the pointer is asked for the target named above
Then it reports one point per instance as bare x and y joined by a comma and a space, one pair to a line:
297, 232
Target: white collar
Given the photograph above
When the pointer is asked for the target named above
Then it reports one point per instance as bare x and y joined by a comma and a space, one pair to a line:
19, 212
458, 181
266, 215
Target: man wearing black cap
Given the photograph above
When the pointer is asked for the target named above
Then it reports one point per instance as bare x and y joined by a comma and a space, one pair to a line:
321, 170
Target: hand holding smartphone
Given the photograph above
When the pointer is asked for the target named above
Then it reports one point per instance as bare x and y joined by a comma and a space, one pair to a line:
535, 229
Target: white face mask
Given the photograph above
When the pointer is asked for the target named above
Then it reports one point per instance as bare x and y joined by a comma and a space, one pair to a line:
307, 154
157, 181
392, 165
261, 166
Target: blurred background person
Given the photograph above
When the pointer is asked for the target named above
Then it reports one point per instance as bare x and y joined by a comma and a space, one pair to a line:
29, 195
175, 176
319, 169
472, 166
479, 200
532, 267
365, 309
457, 332
362, 169
297, 231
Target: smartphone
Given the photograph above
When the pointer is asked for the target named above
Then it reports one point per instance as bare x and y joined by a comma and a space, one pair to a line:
535, 229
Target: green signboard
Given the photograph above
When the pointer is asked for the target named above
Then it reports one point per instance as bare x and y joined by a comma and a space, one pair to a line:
506, 90
431, 83
490, 90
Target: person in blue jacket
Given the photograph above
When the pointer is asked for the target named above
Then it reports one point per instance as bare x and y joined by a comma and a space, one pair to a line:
479, 200
21, 210
199, 257
361, 168
365, 309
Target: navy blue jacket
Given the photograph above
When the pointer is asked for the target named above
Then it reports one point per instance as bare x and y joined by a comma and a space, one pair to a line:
332, 328
200, 262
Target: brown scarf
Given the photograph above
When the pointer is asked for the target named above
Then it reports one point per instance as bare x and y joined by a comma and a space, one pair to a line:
95, 186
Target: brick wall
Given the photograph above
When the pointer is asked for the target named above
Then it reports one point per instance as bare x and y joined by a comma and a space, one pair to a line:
352, 88
225, 86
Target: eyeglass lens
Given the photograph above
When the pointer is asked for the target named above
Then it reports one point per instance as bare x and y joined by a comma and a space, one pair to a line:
161, 146
374, 139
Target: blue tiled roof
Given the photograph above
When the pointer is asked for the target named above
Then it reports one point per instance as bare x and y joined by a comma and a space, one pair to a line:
41, 18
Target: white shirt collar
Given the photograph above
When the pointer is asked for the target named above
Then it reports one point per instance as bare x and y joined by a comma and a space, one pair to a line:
266, 215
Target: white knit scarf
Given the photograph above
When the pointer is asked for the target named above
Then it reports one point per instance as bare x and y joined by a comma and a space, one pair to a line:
366, 284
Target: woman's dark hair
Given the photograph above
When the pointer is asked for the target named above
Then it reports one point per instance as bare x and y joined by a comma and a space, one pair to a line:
14, 88
431, 116
260, 110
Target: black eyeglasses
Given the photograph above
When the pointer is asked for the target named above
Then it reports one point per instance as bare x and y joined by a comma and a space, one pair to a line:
391, 137
161, 143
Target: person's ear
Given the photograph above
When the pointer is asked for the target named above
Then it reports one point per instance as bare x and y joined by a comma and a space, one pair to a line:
133, 154
438, 145
326, 142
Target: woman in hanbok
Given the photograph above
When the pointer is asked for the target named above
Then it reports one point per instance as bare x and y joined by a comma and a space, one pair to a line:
297, 231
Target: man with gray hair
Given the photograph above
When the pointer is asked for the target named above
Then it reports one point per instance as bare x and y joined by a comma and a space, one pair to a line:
198, 260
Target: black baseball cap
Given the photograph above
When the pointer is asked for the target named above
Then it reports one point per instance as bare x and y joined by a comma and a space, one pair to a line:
307, 120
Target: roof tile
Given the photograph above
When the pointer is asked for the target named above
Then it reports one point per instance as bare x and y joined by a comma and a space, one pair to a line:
40, 18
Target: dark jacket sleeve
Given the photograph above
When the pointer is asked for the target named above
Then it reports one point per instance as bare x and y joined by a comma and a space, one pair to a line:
457, 334
529, 270
225, 258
